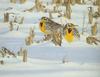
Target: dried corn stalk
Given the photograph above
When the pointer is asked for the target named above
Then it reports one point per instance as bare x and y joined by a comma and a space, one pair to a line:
29, 40
31, 33
6, 51
13, 1
94, 29
68, 9
92, 40
1, 62
6, 17
90, 15
24, 55
11, 26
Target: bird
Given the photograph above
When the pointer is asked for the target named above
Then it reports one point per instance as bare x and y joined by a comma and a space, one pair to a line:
69, 35
49, 27
70, 32
58, 31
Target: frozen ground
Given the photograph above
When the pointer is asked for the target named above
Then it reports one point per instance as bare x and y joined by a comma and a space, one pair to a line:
45, 68
45, 59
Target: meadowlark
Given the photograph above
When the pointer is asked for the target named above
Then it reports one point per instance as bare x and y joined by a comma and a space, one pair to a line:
70, 32
49, 27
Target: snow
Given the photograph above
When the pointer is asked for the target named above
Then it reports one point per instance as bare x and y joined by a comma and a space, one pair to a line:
45, 59
15, 34
43, 68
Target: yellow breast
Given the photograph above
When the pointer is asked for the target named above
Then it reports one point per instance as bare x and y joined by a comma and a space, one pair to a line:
69, 37
42, 27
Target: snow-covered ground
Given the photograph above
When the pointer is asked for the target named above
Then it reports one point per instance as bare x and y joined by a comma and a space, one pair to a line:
45, 68
45, 59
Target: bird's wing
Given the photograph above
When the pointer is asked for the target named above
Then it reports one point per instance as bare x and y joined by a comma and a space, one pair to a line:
57, 38
76, 33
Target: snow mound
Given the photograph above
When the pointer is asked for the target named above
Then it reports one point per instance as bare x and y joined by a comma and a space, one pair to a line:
14, 34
